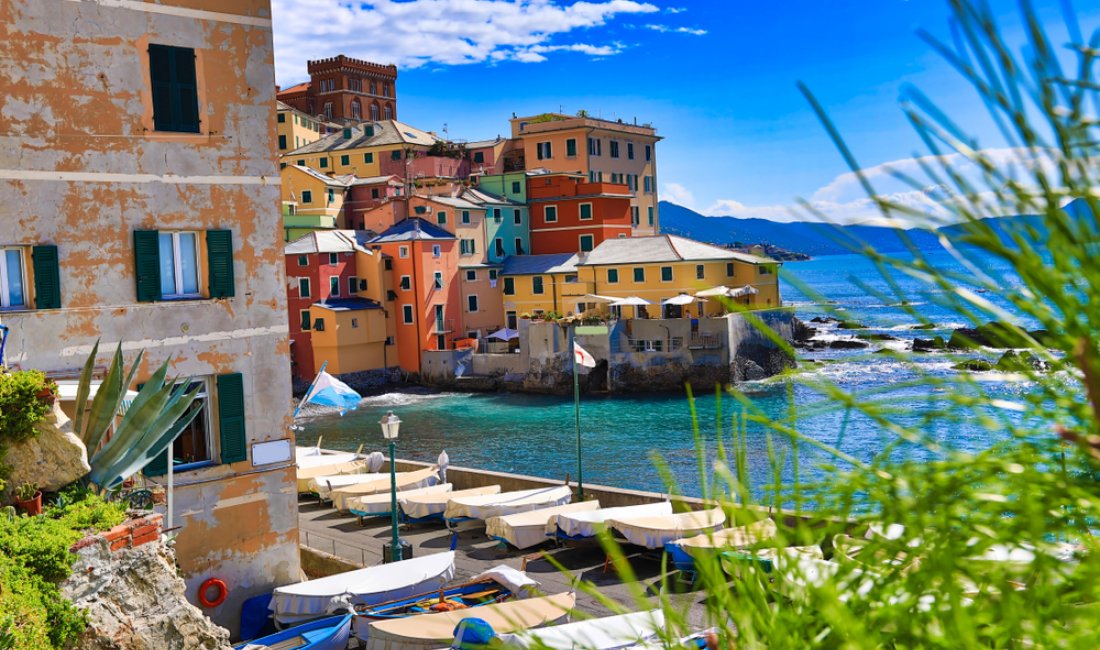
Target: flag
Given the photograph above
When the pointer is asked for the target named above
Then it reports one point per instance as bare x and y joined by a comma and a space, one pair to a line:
330, 391
581, 356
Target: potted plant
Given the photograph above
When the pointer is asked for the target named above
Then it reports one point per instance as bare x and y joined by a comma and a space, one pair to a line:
28, 498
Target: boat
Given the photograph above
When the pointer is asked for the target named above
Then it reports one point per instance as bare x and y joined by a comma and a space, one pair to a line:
608, 633
527, 529
304, 601
496, 585
323, 486
582, 526
466, 508
312, 456
683, 552
735, 561
437, 630
655, 531
331, 633
307, 474
420, 508
405, 481
379, 505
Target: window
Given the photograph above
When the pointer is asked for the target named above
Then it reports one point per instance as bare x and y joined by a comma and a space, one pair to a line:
496, 215
374, 193
648, 153
519, 246
406, 282
304, 315
550, 213
614, 148
353, 285
471, 276
647, 182
322, 163
666, 274
441, 218
510, 320
345, 159
334, 286
630, 150
440, 342
764, 270
407, 314
282, 142
438, 279
492, 274
356, 108
374, 112
328, 110
331, 196
498, 247
440, 324
362, 285
612, 276
307, 196
543, 150
389, 113
319, 325
333, 259
517, 216
388, 263
635, 220
571, 148
403, 251
700, 271
179, 264
586, 211
516, 187
193, 444
471, 303
479, 157
174, 88
436, 250
354, 323
12, 279
281, 118
303, 260
586, 243
301, 163
509, 286
649, 212
303, 287
639, 274
729, 269
465, 216
594, 147
368, 158
395, 154
536, 285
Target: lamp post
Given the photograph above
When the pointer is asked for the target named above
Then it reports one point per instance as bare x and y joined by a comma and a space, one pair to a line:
390, 424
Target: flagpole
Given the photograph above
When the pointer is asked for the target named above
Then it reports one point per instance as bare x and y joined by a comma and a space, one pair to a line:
309, 390
577, 408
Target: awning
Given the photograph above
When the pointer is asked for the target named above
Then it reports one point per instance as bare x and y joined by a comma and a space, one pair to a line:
599, 298
743, 291
713, 292
505, 334
631, 301
682, 299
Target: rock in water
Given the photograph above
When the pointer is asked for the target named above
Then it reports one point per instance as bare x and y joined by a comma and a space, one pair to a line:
135, 600
929, 345
52, 459
974, 365
848, 344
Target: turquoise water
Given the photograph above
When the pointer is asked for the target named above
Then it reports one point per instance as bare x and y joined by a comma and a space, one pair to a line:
535, 434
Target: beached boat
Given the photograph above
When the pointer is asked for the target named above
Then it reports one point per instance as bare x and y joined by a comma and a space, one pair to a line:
496, 585
463, 508
323, 486
527, 529
420, 508
655, 531
683, 552
582, 526
304, 601
608, 633
735, 561
405, 481
307, 474
330, 633
437, 630
378, 505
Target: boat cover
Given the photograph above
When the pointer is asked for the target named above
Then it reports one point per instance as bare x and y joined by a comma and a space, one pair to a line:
655, 531
325, 457
527, 529
324, 485
306, 474
506, 503
310, 599
405, 481
606, 633
739, 537
517, 582
419, 506
379, 504
437, 630
584, 524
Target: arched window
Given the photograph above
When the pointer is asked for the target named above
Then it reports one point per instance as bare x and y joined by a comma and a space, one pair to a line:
389, 112
356, 109
374, 112
373, 88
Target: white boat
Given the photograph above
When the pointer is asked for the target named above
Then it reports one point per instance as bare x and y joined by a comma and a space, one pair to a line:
654, 531
323, 486
378, 505
608, 633
405, 481
429, 631
307, 474
304, 601
527, 529
426, 507
576, 526
461, 508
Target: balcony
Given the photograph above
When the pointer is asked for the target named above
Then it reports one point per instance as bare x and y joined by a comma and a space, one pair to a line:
444, 326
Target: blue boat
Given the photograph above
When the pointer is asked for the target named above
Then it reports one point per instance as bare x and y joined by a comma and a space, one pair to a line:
330, 633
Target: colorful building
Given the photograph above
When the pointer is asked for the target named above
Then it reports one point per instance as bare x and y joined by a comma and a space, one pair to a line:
294, 129
346, 90
602, 150
570, 214
365, 194
311, 200
510, 185
154, 229
506, 225
539, 284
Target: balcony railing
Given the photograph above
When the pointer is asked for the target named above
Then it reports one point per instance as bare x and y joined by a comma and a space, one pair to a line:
444, 326
655, 345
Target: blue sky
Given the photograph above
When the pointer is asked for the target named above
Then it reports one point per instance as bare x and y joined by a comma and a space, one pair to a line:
717, 79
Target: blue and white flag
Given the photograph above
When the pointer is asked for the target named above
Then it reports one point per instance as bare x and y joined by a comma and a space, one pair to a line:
330, 391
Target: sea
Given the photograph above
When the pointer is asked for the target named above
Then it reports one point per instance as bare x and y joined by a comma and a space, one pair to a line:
624, 438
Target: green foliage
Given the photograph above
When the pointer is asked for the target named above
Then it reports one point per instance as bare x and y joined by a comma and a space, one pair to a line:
20, 405
26, 491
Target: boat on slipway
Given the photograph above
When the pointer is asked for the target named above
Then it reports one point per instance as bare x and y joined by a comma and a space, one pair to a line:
331, 633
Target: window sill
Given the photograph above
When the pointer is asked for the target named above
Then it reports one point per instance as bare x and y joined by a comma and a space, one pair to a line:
187, 467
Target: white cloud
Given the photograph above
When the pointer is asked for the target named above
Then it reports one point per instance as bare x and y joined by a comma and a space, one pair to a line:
412, 33
675, 10
678, 194
665, 29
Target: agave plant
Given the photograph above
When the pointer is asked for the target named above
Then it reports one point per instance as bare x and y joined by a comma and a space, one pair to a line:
150, 425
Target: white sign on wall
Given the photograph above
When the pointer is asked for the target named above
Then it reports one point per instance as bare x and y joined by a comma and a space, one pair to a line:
272, 451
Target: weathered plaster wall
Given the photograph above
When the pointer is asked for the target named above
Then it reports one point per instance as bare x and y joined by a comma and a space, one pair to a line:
82, 168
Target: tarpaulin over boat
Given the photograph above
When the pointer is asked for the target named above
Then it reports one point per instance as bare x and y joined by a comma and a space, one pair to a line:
584, 524
653, 532
311, 599
739, 537
608, 633
405, 481
527, 529
307, 474
380, 504
506, 503
312, 457
419, 506
324, 485
517, 582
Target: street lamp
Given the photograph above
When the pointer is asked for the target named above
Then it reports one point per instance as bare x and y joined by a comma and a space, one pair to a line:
390, 425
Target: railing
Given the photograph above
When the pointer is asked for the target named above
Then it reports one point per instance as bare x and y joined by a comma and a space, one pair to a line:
442, 326
655, 345
331, 545
705, 341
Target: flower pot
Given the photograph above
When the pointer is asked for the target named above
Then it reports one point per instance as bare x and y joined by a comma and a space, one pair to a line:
46, 396
32, 506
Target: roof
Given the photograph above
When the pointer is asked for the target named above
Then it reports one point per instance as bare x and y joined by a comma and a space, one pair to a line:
481, 144
377, 180
411, 229
481, 196
662, 248
296, 88
384, 132
347, 304
335, 181
538, 264
326, 241
453, 201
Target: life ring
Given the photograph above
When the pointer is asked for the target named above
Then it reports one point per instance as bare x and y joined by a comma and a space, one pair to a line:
205, 587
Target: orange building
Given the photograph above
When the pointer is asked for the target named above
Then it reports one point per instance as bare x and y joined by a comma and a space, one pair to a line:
568, 214
426, 287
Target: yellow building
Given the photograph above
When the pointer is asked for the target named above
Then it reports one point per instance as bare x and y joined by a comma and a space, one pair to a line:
368, 149
538, 284
294, 129
311, 200
350, 334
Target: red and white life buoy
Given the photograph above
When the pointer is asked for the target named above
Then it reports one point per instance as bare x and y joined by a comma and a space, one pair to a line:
221, 594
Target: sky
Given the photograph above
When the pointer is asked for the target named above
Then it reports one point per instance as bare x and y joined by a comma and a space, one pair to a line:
717, 78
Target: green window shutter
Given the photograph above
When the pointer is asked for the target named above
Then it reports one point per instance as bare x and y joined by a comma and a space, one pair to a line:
219, 259
47, 280
147, 265
231, 417
174, 88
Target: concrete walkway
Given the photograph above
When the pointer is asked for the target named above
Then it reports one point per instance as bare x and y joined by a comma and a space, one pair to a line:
324, 529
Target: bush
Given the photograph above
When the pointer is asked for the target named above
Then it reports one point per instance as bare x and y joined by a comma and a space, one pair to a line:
20, 405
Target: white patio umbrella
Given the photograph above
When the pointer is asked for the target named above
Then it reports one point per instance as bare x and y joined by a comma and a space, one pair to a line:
713, 292
631, 301
682, 299
505, 334
598, 298
743, 291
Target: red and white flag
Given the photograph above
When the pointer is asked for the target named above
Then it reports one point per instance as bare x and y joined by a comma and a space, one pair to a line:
581, 356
